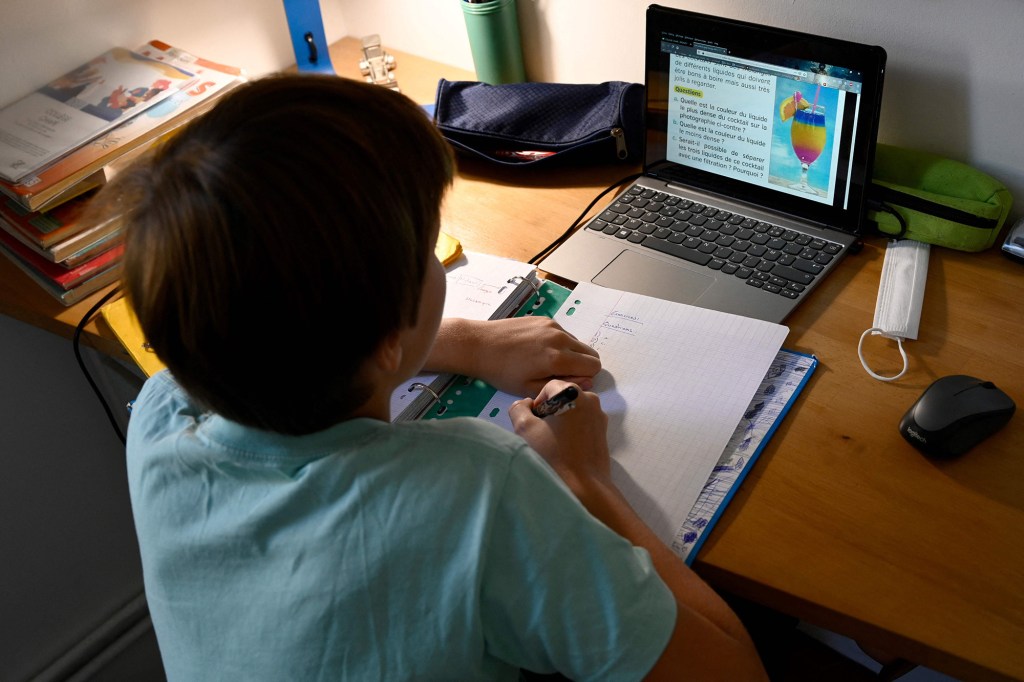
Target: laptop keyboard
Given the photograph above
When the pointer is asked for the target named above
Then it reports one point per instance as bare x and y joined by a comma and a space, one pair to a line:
773, 259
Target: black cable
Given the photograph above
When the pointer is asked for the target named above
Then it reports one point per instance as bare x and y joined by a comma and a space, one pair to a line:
572, 228
879, 205
899, 219
76, 344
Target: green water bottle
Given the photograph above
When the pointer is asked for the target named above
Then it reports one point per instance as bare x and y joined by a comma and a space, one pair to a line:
493, 28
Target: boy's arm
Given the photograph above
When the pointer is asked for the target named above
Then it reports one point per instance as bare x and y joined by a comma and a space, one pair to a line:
517, 355
709, 641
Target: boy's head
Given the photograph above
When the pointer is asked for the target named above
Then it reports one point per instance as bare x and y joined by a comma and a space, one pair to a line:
274, 243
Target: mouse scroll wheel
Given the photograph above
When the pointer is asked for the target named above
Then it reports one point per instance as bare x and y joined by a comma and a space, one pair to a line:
987, 384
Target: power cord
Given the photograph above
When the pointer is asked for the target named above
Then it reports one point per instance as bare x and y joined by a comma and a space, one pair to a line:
879, 205
76, 345
572, 228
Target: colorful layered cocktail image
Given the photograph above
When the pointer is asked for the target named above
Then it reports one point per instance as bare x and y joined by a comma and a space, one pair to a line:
808, 136
801, 141
807, 133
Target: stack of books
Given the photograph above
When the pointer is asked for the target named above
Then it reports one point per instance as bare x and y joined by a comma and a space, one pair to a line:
59, 144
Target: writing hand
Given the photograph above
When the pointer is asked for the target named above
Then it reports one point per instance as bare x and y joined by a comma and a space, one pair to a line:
574, 442
553, 405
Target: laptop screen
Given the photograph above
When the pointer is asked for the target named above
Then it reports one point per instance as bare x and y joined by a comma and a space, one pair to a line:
780, 119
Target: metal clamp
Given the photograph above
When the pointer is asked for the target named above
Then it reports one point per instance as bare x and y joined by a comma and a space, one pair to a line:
377, 64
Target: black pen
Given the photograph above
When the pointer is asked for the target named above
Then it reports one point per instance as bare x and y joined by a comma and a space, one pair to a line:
556, 402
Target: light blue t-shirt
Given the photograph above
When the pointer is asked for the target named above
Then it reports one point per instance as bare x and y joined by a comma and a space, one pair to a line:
431, 550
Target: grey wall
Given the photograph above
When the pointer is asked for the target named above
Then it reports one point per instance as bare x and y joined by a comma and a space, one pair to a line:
70, 574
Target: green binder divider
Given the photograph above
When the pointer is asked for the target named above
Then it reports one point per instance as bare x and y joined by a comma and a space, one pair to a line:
545, 302
466, 396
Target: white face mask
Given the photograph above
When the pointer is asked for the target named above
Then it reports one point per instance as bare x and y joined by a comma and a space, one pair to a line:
900, 297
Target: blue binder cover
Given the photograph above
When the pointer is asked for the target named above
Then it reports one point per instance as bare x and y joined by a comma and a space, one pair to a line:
787, 376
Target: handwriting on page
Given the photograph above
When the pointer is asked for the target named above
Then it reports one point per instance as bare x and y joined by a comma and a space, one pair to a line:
474, 297
617, 323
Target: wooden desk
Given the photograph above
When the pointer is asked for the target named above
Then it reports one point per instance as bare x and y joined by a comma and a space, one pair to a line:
840, 523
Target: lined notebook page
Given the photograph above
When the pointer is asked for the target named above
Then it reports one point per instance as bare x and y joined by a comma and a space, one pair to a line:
675, 382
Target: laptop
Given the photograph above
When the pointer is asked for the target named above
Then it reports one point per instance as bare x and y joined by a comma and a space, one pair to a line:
758, 149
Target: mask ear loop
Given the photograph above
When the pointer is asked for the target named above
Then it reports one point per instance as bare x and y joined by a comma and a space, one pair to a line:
863, 362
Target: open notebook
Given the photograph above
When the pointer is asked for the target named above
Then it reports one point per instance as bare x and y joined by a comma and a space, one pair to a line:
678, 383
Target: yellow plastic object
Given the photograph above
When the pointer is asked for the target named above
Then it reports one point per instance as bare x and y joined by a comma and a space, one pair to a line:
121, 320
448, 248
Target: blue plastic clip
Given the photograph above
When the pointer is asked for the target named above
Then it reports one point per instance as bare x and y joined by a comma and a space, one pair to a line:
308, 39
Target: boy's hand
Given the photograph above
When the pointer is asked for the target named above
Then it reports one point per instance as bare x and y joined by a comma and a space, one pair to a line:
573, 441
518, 355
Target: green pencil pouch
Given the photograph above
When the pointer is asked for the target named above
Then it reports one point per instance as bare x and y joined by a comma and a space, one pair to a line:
937, 200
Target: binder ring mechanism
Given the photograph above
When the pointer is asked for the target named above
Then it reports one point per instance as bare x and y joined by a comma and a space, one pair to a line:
532, 282
420, 386
517, 279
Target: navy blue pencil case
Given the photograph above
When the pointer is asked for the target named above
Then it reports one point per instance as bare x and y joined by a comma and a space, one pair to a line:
531, 124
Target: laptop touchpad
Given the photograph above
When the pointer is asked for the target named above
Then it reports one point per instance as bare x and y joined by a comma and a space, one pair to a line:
631, 271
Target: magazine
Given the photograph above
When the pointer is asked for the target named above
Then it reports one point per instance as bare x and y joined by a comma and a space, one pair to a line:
80, 105
86, 167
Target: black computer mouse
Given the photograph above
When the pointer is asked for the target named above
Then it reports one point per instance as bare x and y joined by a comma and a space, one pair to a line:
954, 414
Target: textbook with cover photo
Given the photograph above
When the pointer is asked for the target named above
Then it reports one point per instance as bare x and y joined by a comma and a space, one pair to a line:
92, 164
80, 105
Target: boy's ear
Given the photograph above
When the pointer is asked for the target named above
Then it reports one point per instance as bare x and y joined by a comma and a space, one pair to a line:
388, 355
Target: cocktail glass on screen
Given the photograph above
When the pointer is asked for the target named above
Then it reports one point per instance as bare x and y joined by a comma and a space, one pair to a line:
808, 136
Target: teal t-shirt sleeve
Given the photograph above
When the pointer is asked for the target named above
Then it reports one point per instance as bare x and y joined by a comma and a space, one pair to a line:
562, 592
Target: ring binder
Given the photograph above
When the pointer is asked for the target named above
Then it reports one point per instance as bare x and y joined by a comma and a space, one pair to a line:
480, 287
419, 385
531, 281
